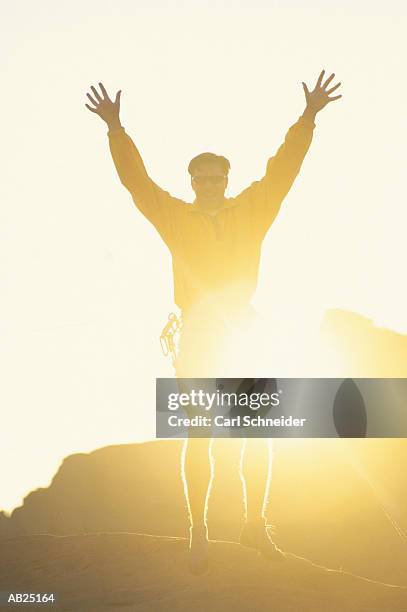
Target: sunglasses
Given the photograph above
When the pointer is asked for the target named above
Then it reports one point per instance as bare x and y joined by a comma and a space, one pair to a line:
214, 179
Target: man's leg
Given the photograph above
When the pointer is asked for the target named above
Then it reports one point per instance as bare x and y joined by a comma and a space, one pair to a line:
197, 358
256, 469
196, 474
196, 464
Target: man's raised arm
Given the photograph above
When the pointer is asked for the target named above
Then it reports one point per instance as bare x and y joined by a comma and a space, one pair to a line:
157, 205
267, 195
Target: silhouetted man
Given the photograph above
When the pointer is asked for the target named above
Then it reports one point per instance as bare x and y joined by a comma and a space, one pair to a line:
215, 244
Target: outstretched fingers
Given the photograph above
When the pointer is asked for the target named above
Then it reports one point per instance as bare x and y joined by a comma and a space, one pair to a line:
92, 99
329, 91
93, 110
329, 79
96, 93
321, 76
104, 92
335, 98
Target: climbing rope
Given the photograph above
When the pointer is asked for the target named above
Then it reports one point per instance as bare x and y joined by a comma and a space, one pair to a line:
168, 336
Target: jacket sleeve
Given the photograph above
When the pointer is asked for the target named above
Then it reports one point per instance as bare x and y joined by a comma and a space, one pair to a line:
261, 201
157, 205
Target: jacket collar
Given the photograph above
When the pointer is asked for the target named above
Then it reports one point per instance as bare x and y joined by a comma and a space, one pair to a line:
227, 203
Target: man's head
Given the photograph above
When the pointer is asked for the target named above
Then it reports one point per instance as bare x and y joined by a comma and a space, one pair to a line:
209, 178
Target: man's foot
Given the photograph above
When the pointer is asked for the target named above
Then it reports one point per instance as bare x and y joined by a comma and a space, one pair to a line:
256, 535
198, 550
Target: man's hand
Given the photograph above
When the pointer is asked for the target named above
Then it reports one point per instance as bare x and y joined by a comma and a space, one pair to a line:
104, 107
319, 97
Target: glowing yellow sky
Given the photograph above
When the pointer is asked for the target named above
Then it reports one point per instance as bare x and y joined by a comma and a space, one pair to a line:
86, 283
